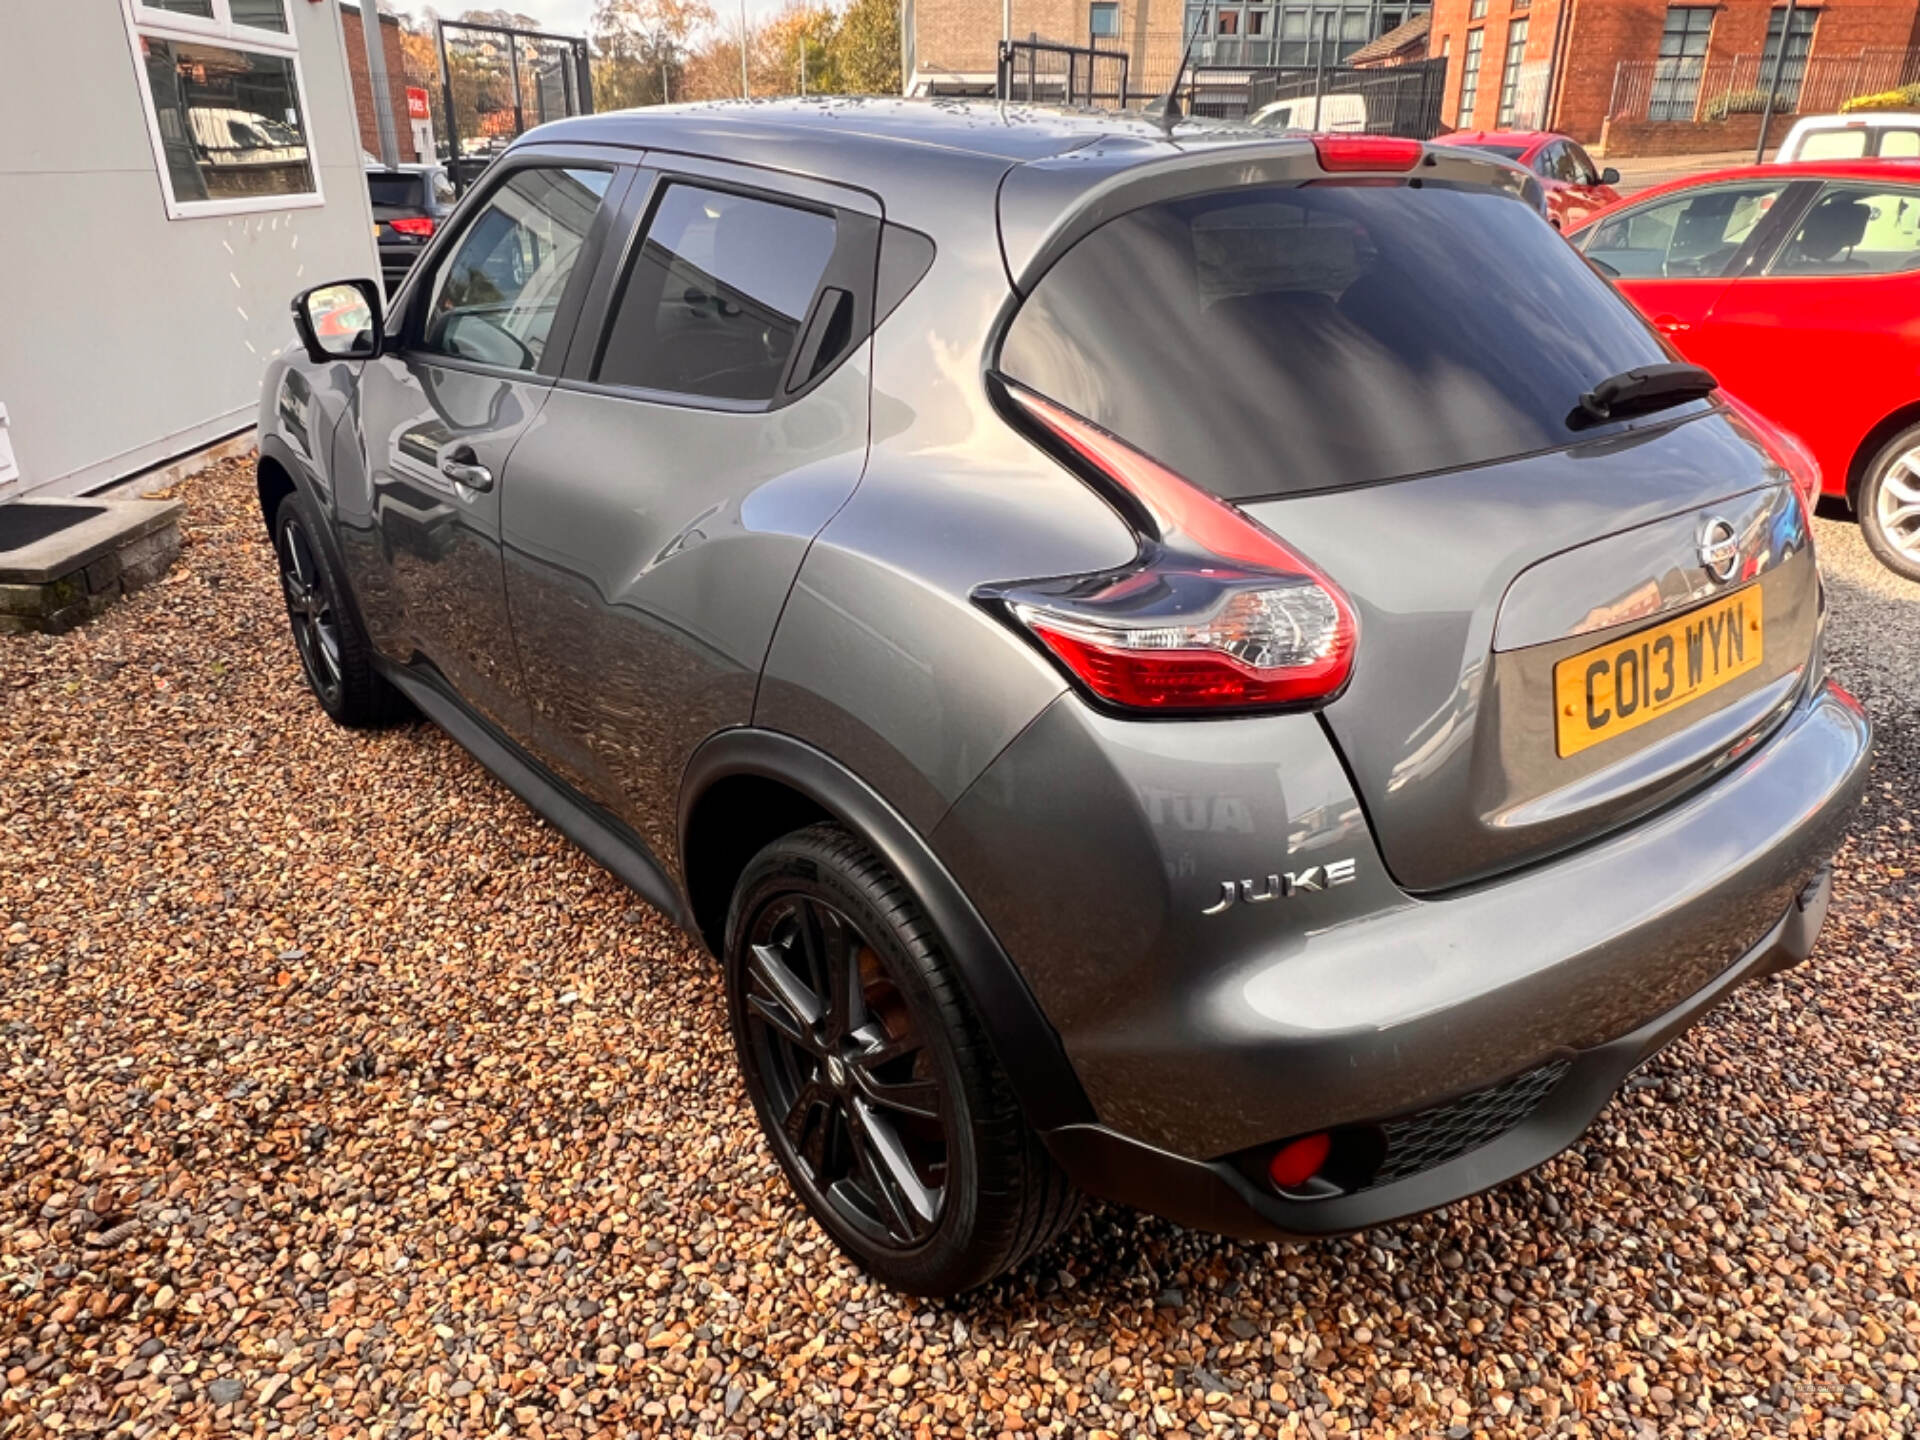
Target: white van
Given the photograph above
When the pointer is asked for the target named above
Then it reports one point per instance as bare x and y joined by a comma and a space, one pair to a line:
1302, 112
1864, 135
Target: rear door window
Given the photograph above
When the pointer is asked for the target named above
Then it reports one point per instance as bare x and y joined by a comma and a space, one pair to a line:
717, 295
1855, 230
1690, 237
1276, 340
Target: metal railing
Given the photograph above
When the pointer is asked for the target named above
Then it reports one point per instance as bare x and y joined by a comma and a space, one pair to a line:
497, 82
1046, 72
1699, 91
1401, 100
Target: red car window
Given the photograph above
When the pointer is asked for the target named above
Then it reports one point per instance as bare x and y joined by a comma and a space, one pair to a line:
1855, 230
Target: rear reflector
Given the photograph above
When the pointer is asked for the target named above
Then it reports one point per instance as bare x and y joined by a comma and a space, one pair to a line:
1341, 154
1298, 1161
1216, 613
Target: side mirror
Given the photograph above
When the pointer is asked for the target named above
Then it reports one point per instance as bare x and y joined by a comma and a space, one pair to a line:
339, 321
1609, 176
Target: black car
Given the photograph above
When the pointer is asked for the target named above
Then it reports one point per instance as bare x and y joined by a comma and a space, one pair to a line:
409, 204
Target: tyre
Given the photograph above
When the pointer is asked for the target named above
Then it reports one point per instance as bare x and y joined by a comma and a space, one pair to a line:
1889, 504
334, 654
872, 1077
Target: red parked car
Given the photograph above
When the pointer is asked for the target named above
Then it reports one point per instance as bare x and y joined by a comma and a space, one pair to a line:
1575, 188
1799, 287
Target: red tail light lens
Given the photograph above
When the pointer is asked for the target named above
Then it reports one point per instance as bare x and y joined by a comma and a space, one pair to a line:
418, 226
1342, 154
1217, 613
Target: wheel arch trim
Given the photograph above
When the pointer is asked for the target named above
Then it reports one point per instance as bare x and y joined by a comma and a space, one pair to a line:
1028, 1048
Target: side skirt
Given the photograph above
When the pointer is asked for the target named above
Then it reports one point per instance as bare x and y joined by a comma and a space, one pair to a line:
599, 834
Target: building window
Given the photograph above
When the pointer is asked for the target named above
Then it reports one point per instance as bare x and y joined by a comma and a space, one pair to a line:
1103, 19
1477, 10
225, 107
1683, 55
1295, 32
1510, 76
1794, 68
1470, 77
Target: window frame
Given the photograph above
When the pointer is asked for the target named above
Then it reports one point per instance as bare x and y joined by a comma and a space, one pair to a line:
852, 266
1756, 252
1818, 190
143, 23
1103, 8
1515, 53
1473, 58
406, 315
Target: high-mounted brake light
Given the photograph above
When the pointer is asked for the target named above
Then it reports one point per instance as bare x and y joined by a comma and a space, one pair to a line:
1216, 612
1342, 154
419, 225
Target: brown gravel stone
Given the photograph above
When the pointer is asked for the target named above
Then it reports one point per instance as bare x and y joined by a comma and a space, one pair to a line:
339, 1096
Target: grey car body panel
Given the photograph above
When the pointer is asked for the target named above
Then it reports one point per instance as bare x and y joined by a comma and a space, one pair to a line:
1459, 780
882, 657
1064, 854
651, 542
1203, 1034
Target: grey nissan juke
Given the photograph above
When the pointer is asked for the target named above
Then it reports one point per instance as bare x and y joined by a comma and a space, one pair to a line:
1226, 672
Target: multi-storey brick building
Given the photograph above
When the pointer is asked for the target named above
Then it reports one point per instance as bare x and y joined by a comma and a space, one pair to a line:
1649, 75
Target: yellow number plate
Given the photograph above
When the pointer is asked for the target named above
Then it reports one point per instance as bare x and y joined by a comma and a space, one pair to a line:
1620, 686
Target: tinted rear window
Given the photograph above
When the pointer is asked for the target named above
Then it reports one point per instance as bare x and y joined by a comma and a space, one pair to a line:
395, 190
1505, 152
1277, 340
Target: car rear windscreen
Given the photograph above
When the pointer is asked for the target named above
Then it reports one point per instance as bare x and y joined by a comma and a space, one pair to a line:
395, 190
1277, 340
1505, 152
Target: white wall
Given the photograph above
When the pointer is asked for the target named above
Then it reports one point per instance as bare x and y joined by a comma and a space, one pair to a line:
127, 338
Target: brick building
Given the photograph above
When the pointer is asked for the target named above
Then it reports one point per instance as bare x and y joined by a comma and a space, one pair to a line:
1647, 76
363, 85
951, 46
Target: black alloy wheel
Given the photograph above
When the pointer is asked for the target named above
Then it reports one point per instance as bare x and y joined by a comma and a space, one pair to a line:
311, 609
872, 1076
846, 1071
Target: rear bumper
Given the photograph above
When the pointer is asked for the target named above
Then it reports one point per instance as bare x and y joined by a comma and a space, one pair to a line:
1219, 1197
1515, 976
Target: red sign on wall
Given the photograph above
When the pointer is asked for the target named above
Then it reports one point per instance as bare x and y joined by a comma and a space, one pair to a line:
417, 104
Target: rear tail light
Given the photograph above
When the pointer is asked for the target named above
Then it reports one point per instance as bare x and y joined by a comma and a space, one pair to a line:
418, 226
1215, 613
1341, 154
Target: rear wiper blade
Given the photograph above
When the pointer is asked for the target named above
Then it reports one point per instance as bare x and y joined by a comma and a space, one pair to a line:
1642, 391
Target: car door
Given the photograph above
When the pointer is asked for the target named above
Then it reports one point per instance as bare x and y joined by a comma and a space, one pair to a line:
440, 410
1827, 328
709, 422
1674, 255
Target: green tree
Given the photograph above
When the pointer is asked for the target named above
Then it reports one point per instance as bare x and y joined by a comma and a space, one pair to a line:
866, 48
641, 49
795, 52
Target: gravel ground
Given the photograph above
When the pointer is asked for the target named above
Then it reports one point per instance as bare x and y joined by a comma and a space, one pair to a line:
338, 1095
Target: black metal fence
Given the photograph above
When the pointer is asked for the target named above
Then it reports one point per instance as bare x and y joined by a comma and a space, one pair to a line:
497, 82
1398, 100
1036, 71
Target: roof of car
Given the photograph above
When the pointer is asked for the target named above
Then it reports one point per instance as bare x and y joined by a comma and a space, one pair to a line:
1903, 172
980, 127
1856, 117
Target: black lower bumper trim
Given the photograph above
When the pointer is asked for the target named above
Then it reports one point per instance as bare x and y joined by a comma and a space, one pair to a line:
1218, 1197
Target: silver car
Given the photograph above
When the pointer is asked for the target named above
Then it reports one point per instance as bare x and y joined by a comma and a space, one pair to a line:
1227, 672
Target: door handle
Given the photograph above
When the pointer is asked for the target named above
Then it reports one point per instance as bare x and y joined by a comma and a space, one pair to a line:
1670, 324
463, 467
